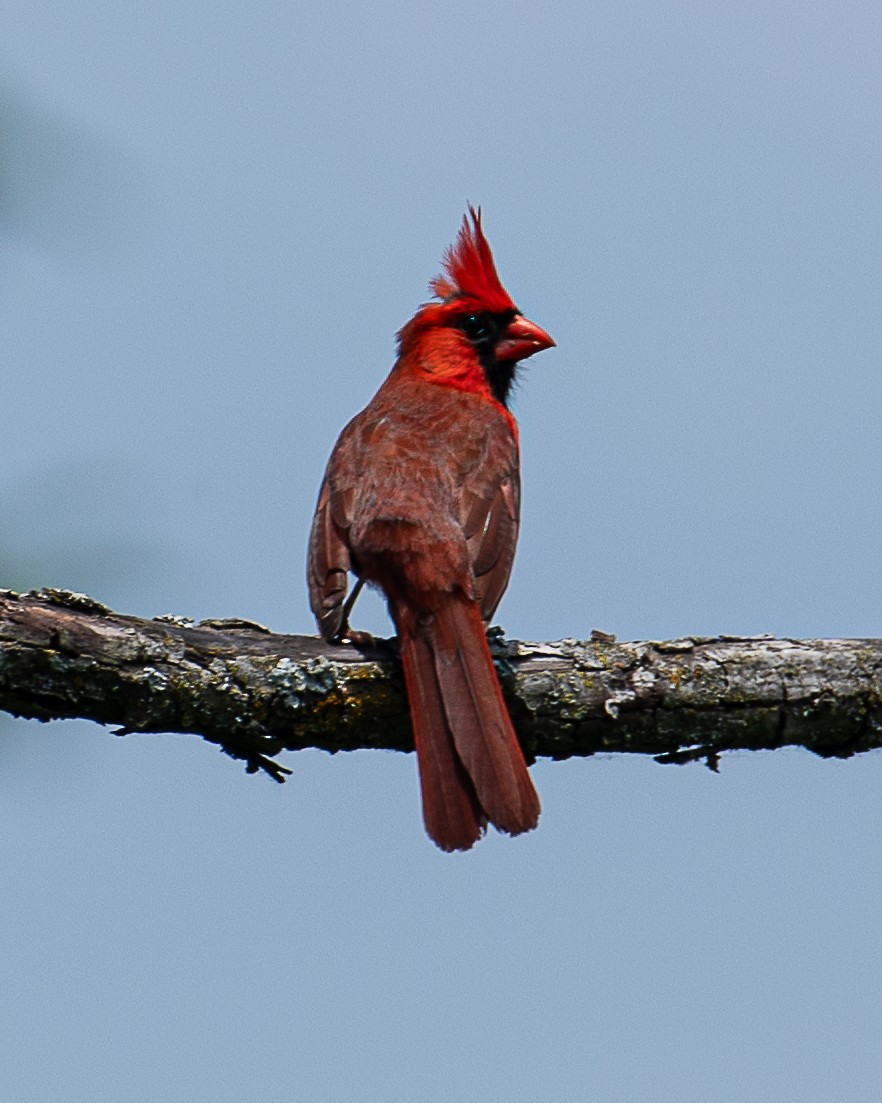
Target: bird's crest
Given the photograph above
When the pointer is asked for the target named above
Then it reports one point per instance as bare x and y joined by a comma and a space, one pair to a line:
471, 273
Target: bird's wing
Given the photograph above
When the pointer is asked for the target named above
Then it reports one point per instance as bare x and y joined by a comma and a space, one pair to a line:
489, 510
329, 562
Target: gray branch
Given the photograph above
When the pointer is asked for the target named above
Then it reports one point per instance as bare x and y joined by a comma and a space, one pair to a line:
255, 693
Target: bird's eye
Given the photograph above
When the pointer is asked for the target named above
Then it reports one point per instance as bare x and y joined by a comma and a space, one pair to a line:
479, 328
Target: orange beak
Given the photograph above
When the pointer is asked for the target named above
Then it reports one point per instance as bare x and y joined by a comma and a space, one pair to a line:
520, 339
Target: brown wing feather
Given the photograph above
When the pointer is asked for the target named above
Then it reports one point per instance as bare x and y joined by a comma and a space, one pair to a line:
329, 562
490, 514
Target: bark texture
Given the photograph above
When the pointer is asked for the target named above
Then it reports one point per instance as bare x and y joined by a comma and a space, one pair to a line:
255, 693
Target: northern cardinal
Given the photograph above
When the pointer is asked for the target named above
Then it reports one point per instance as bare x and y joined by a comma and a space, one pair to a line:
421, 498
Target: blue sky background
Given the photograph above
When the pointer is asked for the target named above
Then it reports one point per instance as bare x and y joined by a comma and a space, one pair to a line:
213, 218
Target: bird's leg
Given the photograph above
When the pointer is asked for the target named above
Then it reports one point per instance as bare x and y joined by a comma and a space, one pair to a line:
347, 605
354, 636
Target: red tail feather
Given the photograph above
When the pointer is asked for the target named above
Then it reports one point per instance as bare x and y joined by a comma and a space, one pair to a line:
472, 769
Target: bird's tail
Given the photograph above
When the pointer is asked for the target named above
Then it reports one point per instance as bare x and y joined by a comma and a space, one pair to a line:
472, 769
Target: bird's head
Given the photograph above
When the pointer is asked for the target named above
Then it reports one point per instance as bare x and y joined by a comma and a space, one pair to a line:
475, 333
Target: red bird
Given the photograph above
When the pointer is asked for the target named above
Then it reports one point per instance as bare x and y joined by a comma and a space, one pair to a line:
421, 497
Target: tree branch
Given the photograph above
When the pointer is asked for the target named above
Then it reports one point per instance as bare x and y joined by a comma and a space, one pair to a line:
255, 693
